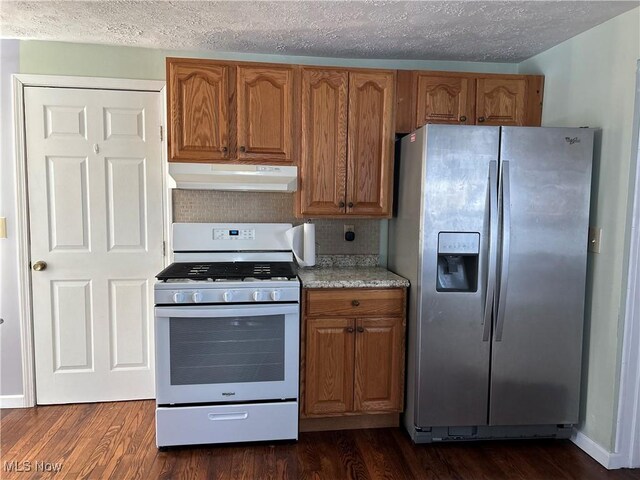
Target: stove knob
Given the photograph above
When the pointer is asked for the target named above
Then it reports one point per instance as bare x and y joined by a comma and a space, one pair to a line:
196, 297
178, 297
257, 296
275, 295
227, 296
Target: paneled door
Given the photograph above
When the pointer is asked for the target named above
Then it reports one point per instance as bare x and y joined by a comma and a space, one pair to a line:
323, 164
95, 208
501, 101
370, 142
445, 99
265, 113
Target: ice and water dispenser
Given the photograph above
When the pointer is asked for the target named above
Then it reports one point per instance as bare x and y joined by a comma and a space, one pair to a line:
458, 261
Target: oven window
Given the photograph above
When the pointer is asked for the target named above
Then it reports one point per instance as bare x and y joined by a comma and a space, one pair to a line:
226, 350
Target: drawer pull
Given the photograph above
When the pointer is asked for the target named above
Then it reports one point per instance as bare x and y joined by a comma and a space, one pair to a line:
228, 416
355, 303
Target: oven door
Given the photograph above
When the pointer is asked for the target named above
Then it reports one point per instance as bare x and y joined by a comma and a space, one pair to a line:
227, 353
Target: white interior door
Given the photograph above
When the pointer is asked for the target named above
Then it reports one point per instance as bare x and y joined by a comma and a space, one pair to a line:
95, 210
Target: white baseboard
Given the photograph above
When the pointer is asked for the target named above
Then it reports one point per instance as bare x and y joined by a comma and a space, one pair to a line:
12, 401
608, 460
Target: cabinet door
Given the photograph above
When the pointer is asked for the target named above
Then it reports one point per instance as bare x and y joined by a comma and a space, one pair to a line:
329, 365
379, 365
371, 138
323, 165
501, 101
445, 99
265, 113
198, 111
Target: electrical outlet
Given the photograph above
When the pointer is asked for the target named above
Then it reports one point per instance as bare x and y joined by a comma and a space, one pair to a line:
349, 233
595, 237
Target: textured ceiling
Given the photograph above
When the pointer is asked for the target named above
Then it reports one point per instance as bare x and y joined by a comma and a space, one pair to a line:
494, 31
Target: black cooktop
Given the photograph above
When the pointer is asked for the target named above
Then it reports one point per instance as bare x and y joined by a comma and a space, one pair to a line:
228, 270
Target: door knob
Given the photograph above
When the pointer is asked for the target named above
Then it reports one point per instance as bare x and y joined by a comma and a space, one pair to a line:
243, 149
360, 329
463, 118
350, 205
341, 204
223, 149
40, 265
349, 329
355, 303
480, 119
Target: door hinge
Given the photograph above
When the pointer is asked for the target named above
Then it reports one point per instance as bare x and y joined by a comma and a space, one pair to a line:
161, 134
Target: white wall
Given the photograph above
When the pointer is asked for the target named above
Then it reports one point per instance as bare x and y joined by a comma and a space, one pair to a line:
590, 80
10, 357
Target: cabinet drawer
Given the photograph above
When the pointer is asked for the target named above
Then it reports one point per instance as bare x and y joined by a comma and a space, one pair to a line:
355, 302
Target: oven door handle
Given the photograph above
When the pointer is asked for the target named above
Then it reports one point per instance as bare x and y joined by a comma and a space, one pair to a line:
207, 311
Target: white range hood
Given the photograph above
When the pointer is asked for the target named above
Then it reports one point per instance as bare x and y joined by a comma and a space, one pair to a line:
255, 178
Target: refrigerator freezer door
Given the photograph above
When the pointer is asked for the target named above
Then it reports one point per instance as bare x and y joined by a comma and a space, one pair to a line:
453, 363
535, 369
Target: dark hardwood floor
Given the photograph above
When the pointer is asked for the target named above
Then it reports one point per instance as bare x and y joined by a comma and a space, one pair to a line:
117, 441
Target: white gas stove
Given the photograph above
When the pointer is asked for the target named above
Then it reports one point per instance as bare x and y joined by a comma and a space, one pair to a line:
227, 336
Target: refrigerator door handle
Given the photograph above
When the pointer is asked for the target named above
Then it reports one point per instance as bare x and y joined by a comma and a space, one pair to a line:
493, 249
506, 243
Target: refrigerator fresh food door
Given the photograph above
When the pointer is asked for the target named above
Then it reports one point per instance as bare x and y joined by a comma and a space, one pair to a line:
537, 340
459, 186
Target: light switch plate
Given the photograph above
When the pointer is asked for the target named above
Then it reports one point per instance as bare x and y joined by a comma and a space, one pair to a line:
3, 227
595, 237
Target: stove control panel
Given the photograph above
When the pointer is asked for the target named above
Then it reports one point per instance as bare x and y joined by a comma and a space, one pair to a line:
228, 294
234, 234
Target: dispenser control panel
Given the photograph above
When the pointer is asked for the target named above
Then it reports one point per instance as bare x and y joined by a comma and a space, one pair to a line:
458, 243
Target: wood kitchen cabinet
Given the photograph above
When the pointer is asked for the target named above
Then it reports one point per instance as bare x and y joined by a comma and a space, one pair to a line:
353, 355
223, 112
198, 110
467, 99
347, 139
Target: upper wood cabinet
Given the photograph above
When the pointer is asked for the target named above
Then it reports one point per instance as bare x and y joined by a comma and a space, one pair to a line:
445, 99
467, 99
323, 161
265, 113
198, 111
501, 101
371, 138
347, 137
224, 112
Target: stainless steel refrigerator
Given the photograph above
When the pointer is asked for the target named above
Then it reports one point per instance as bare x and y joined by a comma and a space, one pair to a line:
491, 229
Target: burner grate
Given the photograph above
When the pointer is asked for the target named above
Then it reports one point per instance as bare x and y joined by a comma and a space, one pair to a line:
228, 270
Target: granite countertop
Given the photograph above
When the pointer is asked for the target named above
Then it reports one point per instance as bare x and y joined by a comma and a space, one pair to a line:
350, 277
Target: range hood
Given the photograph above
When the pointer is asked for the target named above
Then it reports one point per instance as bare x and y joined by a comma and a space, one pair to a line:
254, 178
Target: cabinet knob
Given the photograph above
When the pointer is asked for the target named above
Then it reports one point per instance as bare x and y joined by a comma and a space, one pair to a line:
480, 119
360, 329
243, 149
350, 204
349, 329
341, 204
355, 303
463, 118
223, 149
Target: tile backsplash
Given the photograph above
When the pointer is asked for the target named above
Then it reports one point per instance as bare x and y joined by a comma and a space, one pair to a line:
214, 206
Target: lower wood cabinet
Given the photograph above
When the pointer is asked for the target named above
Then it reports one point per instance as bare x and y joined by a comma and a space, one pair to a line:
353, 363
